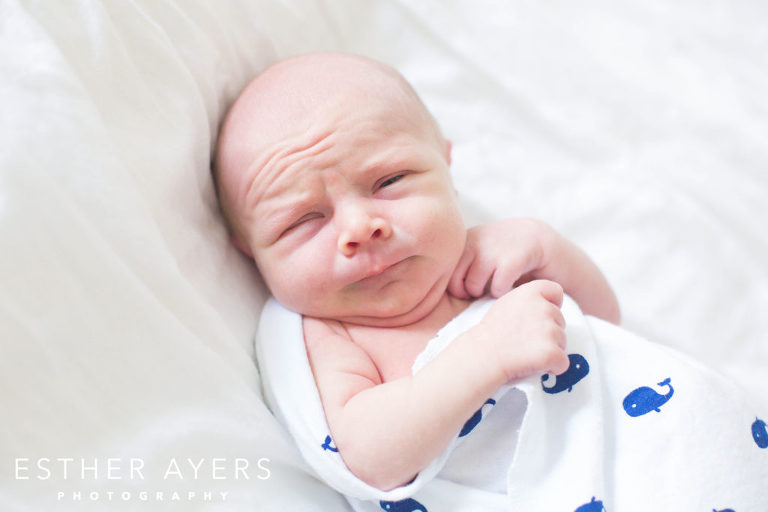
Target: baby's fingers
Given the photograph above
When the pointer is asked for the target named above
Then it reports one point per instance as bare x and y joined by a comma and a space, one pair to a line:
550, 290
478, 277
557, 315
456, 283
547, 358
559, 362
504, 278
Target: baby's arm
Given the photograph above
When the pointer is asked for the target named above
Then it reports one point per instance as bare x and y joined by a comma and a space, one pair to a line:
501, 254
387, 432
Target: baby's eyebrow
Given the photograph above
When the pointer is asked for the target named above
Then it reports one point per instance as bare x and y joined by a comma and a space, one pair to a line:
384, 164
270, 222
277, 211
396, 158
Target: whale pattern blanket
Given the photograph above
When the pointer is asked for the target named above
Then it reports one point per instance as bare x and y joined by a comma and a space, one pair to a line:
631, 425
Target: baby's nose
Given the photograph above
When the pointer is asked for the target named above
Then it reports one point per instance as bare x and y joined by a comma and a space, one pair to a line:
360, 231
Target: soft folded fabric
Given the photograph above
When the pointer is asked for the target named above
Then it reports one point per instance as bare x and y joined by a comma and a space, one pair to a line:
631, 425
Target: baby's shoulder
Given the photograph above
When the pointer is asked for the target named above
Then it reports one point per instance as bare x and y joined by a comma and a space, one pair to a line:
322, 328
332, 352
326, 339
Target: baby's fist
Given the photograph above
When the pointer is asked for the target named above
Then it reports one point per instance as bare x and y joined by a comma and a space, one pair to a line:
526, 331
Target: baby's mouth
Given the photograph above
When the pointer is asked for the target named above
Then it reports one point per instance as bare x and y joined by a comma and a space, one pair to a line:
380, 270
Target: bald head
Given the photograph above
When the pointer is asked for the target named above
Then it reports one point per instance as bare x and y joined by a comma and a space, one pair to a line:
292, 97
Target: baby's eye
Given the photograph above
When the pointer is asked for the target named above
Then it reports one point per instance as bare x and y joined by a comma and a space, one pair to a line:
305, 219
391, 180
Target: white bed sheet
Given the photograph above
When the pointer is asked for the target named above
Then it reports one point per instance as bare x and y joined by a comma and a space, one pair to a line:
127, 320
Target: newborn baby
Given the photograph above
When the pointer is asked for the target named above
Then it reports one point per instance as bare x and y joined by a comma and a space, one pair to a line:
334, 178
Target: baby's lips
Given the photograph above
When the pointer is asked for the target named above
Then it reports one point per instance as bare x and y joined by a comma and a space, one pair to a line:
377, 270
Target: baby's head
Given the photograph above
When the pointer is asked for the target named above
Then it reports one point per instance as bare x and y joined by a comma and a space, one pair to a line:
334, 178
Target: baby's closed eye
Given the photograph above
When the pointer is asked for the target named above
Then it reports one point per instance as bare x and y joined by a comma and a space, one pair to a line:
303, 220
391, 180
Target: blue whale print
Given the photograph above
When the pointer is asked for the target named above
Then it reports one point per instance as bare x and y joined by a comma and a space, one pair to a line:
644, 400
406, 505
577, 370
760, 433
475, 419
592, 506
724, 510
328, 445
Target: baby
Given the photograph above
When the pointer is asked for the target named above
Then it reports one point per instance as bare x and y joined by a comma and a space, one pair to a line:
335, 179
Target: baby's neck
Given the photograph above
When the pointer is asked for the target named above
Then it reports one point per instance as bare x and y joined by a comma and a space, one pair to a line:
444, 311
434, 304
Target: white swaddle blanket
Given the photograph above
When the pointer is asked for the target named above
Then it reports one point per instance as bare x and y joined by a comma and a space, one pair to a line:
631, 425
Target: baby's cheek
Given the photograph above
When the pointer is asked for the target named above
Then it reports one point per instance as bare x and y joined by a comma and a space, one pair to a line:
301, 276
444, 219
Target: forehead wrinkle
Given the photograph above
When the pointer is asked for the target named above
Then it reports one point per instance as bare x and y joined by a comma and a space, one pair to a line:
282, 160
403, 145
402, 118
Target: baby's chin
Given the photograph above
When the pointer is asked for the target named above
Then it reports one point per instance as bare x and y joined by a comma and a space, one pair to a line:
396, 310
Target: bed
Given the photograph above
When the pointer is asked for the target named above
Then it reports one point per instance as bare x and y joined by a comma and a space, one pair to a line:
127, 370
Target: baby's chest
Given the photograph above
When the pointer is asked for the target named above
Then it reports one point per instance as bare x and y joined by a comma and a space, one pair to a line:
393, 353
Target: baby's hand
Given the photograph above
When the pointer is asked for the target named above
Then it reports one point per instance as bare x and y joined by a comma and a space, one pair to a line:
503, 254
499, 254
525, 331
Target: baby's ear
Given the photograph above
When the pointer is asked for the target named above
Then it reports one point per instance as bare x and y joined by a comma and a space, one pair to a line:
242, 247
448, 147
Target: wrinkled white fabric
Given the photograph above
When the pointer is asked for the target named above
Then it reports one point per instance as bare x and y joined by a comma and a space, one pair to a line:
631, 425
